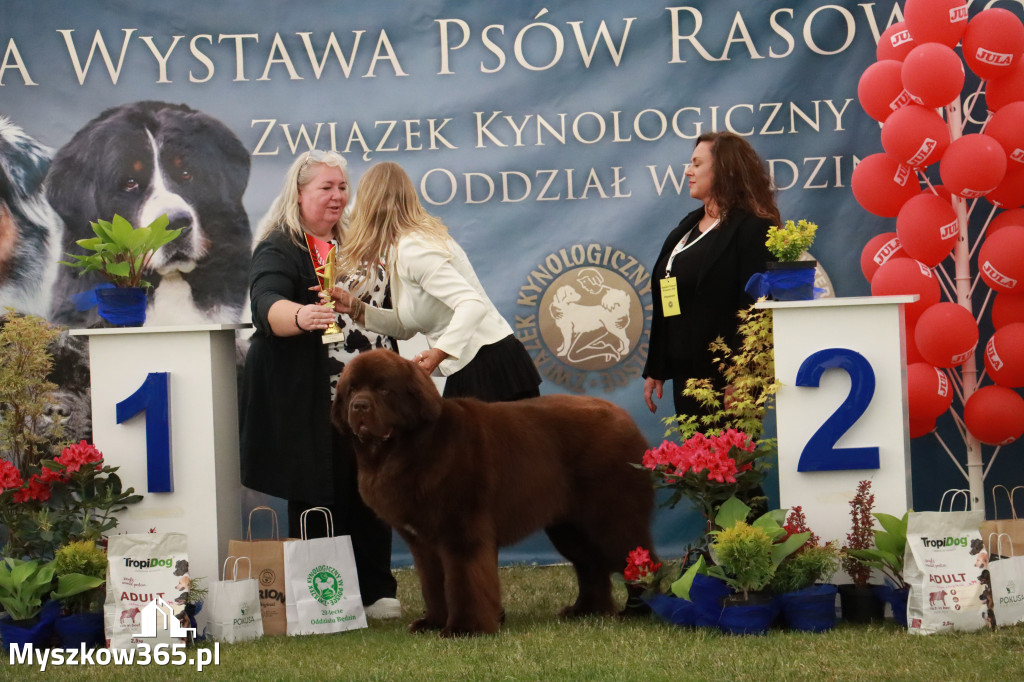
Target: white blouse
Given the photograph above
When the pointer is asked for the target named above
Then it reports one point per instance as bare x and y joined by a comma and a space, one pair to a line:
435, 292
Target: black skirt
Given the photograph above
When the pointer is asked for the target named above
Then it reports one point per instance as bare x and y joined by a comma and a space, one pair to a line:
500, 371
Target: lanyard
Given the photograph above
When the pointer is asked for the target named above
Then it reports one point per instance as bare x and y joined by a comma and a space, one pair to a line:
683, 245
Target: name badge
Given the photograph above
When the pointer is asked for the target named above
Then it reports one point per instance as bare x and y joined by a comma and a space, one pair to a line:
669, 297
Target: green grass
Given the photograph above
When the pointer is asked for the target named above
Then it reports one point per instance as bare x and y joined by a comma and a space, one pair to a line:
535, 645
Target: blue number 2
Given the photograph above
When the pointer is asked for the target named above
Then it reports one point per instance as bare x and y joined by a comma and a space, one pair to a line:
820, 453
153, 398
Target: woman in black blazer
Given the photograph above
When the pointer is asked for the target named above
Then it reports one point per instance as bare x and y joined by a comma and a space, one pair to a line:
705, 263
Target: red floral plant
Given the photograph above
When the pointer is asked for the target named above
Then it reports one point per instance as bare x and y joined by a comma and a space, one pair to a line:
861, 535
639, 566
796, 523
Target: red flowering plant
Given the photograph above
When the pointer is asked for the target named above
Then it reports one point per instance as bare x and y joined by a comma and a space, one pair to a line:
74, 496
722, 453
861, 535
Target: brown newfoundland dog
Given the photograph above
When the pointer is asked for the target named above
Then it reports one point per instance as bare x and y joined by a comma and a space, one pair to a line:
460, 478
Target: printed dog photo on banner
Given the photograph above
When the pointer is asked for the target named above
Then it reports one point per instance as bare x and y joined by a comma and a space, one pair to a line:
143, 160
29, 228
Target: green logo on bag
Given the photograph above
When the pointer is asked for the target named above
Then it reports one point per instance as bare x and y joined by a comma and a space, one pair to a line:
325, 585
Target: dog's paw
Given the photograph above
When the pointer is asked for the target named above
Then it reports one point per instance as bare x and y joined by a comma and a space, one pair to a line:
424, 625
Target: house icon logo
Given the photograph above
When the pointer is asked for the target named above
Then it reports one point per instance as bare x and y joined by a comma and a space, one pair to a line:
158, 615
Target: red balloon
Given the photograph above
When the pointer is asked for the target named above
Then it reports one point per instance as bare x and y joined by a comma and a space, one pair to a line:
1007, 308
973, 165
1009, 193
1007, 128
907, 276
921, 427
878, 251
915, 135
928, 228
993, 42
933, 74
995, 415
929, 393
946, 334
880, 89
895, 42
1007, 89
1004, 355
940, 21
912, 353
1001, 259
1013, 216
881, 185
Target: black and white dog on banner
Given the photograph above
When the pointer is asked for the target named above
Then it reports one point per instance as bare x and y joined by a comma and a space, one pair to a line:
140, 161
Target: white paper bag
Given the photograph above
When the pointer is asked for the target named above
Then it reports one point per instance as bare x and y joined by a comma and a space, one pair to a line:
322, 584
1006, 571
946, 567
234, 605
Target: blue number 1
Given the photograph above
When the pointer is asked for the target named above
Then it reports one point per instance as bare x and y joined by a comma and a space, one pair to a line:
153, 398
820, 453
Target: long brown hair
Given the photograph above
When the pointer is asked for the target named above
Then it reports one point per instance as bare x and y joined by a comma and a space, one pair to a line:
386, 208
741, 179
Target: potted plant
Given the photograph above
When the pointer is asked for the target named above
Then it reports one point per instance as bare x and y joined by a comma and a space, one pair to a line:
802, 580
890, 543
860, 603
746, 557
24, 588
721, 453
120, 253
792, 277
80, 569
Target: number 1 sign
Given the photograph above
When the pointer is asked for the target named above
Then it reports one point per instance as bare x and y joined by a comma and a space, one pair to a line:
841, 408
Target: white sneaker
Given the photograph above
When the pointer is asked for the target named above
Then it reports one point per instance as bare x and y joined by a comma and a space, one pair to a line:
384, 608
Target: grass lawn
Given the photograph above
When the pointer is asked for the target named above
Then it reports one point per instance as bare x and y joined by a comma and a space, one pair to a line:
535, 645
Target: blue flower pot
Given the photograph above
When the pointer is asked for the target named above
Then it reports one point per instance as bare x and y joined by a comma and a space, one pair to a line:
38, 634
123, 306
897, 601
753, 617
706, 594
812, 609
81, 628
673, 609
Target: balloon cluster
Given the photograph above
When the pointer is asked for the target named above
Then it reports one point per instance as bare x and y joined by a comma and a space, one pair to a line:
919, 75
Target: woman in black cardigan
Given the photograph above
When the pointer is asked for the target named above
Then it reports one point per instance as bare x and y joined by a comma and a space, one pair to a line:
288, 447
705, 263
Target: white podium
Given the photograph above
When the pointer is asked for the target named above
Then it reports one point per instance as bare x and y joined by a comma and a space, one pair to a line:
841, 409
199, 436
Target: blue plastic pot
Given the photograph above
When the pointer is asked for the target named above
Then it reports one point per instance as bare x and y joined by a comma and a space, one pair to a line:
673, 609
123, 306
812, 609
81, 628
706, 594
752, 618
38, 634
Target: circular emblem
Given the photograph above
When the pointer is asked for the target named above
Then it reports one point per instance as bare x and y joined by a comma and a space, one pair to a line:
589, 304
325, 585
267, 577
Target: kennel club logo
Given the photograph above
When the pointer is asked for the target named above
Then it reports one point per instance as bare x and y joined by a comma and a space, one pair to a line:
586, 325
325, 585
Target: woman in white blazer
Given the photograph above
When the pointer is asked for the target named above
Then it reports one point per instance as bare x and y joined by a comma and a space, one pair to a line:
434, 291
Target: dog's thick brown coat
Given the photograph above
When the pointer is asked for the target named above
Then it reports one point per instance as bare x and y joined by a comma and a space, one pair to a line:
460, 478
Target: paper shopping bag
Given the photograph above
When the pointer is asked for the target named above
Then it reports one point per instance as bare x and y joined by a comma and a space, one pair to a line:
946, 566
1012, 527
234, 605
267, 560
1007, 573
323, 587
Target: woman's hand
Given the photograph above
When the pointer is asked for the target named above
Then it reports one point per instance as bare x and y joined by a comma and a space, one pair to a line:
428, 360
652, 387
345, 303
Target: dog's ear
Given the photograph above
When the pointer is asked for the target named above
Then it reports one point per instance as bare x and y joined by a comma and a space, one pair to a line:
339, 406
423, 394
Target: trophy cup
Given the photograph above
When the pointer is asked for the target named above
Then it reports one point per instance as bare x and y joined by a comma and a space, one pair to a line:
327, 274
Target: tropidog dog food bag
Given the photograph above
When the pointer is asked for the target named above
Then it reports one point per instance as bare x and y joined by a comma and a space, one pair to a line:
147, 587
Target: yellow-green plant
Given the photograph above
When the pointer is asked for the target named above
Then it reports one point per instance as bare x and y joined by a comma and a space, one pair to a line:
80, 565
804, 568
787, 242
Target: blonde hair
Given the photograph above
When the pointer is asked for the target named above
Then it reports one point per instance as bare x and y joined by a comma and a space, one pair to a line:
386, 209
284, 214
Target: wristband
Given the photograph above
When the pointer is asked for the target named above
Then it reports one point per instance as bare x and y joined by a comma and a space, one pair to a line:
297, 319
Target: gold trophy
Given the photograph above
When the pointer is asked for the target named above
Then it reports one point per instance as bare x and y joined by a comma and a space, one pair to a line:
327, 274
